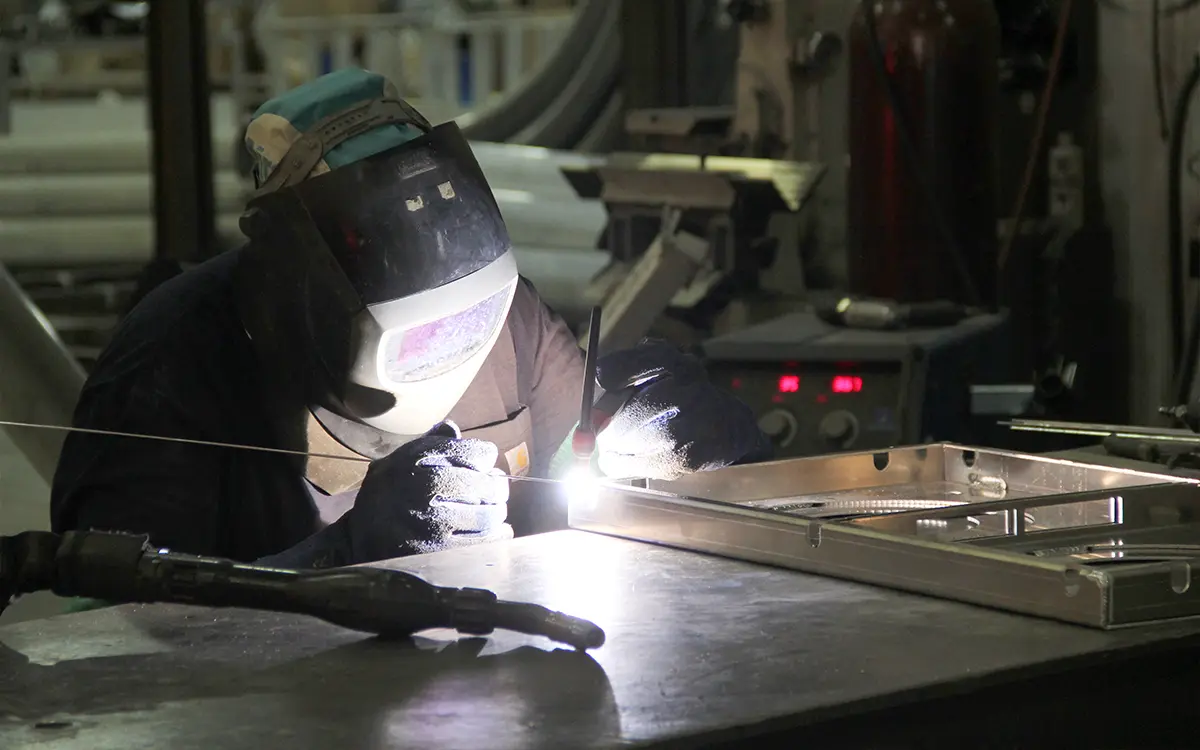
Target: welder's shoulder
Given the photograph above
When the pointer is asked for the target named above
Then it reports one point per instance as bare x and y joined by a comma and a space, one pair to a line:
541, 338
532, 321
189, 321
526, 303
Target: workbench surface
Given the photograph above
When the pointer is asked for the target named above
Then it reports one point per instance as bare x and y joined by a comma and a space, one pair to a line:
698, 647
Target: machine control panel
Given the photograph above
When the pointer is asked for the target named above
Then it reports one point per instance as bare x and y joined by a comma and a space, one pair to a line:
816, 407
817, 388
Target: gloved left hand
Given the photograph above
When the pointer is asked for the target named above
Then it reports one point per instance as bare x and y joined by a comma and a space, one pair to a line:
677, 422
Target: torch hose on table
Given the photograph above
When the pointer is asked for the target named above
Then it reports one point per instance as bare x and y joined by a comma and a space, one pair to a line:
125, 568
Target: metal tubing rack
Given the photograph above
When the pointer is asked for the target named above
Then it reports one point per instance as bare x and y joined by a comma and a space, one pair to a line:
1086, 544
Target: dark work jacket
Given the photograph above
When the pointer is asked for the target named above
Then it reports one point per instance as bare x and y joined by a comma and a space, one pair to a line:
180, 365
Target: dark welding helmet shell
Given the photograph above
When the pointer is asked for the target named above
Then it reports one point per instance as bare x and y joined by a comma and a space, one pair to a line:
324, 251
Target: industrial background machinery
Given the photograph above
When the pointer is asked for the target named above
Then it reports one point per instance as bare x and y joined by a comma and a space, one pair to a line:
920, 211
820, 388
964, 174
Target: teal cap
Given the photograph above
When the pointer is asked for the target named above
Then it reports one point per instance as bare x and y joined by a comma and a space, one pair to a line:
281, 121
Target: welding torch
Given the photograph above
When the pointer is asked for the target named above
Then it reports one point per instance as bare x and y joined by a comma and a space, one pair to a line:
125, 568
595, 412
583, 440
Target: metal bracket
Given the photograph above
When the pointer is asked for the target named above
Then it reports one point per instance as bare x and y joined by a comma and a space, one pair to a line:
646, 290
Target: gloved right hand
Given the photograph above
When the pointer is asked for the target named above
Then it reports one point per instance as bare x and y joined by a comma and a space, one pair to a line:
436, 492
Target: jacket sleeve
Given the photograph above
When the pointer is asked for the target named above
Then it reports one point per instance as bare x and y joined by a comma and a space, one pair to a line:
169, 490
552, 364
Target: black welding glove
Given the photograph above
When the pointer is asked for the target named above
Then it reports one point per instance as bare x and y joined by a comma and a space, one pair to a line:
676, 422
436, 492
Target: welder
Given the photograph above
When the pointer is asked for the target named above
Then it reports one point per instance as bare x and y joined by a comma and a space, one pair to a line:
375, 312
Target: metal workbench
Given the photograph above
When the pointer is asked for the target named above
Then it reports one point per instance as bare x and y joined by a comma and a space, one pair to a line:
701, 651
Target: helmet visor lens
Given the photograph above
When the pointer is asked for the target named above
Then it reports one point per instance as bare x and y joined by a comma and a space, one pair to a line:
431, 349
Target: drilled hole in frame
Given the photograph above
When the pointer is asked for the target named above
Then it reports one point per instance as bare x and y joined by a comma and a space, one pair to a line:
1181, 577
1071, 580
814, 535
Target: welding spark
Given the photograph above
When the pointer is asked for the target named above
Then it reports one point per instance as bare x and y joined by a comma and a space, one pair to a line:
582, 488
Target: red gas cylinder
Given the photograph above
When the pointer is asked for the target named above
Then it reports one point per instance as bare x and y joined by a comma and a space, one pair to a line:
942, 57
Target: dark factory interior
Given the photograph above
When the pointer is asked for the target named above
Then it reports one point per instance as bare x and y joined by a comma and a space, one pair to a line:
599, 374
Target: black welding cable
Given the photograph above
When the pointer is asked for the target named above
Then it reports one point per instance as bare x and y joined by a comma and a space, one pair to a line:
1160, 90
1184, 361
1039, 134
908, 145
1185, 372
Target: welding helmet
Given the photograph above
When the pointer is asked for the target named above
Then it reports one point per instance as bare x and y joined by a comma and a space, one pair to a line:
379, 272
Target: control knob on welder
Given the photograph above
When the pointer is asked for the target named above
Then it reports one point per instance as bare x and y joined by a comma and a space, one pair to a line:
780, 426
839, 429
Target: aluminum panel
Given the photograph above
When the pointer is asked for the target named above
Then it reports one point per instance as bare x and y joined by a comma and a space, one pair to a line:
1093, 545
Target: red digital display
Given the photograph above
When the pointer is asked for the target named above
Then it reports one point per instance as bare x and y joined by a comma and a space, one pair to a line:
846, 384
789, 383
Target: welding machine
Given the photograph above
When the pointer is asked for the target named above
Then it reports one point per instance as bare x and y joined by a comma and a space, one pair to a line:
821, 388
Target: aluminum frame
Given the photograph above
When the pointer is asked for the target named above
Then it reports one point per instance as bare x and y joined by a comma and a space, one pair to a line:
1092, 545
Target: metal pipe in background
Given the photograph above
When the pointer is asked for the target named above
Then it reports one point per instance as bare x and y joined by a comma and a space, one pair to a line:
554, 82
1092, 429
181, 130
8, 55
40, 380
126, 151
569, 117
